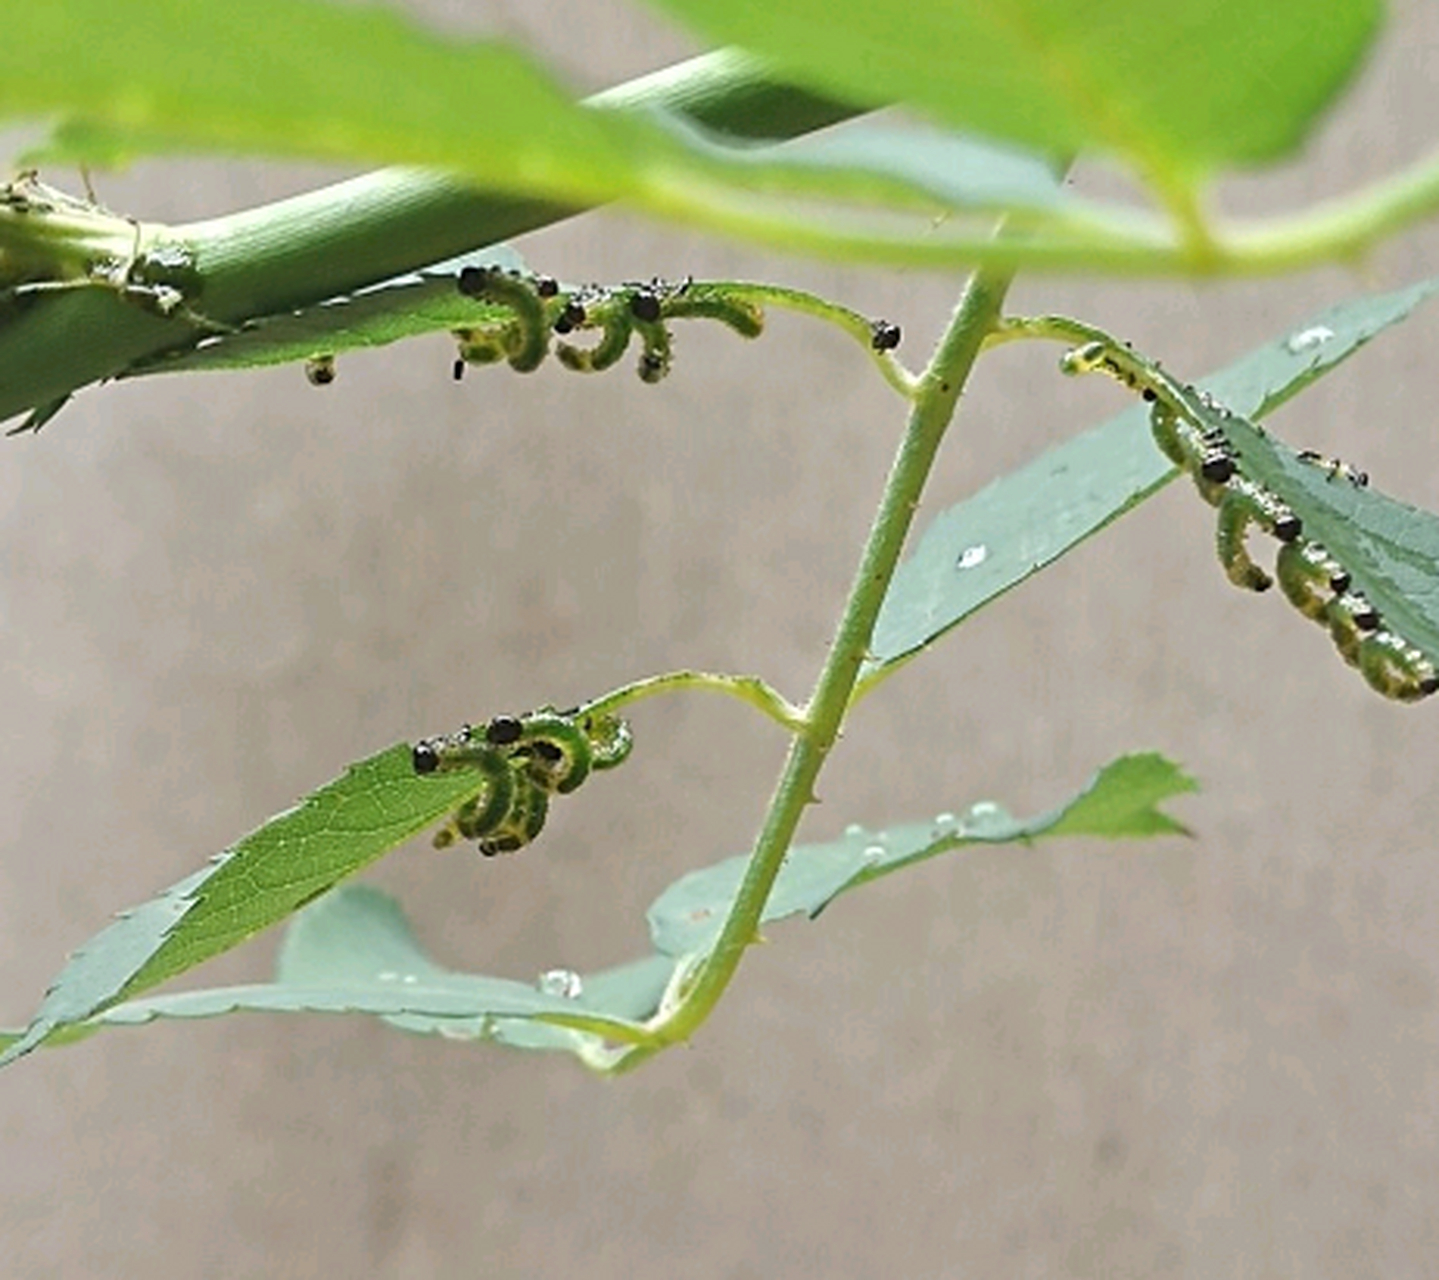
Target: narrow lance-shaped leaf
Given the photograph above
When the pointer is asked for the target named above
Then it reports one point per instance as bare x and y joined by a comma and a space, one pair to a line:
1119, 802
418, 302
375, 805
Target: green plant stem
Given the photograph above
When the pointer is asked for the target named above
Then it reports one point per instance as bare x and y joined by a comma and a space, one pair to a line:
939, 389
1342, 230
859, 327
1053, 328
748, 689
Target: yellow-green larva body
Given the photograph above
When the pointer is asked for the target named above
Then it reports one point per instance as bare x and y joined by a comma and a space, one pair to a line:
522, 760
1396, 668
1309, 577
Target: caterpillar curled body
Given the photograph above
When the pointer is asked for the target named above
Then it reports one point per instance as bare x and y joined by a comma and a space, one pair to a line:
320, 370
525, 341
616, 328
1349, 616
1395, 668
744, 317
521, 823
552, 751
540, 311
486, 811
1309, 577
1243, 504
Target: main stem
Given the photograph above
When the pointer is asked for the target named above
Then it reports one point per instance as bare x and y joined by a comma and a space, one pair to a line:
938, 394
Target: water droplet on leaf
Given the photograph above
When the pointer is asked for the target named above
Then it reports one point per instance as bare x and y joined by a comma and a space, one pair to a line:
970, 557
565, 983
1307, 339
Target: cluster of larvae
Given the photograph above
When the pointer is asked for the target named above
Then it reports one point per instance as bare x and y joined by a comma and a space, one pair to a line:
539, 314
542, 314
522, 761
1189, 427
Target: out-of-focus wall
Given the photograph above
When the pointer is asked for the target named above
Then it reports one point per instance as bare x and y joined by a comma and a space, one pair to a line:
1188, 1058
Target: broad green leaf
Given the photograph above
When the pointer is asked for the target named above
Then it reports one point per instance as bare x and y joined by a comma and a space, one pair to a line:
293, 858
423, 301
295, 77
902, 168
980, 548
1179, 86
353, 951
360, 938
1119, 802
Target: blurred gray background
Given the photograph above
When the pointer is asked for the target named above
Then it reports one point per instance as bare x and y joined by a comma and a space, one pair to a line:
1186, 1058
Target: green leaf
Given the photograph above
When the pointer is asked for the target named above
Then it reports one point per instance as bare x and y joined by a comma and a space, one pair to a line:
912, 167
1390, 549
359, 938
1119, 802
423, 301
1123, 800
978, 549
1177, 86
294, 77
353, 952
293, 858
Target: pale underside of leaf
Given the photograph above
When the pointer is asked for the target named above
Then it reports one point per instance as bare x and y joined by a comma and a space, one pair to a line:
353, 950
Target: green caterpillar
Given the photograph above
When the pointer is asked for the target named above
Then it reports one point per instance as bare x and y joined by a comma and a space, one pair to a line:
1189, 428
1395, 668
523, 761
524, 340
1310, 577
1244, 503
541, 310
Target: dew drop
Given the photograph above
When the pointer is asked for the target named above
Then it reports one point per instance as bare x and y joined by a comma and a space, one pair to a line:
388, 975
561, 982
945, 823
410, 979
873, 852
854, 829
983, 809
973, 556
1307, 339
